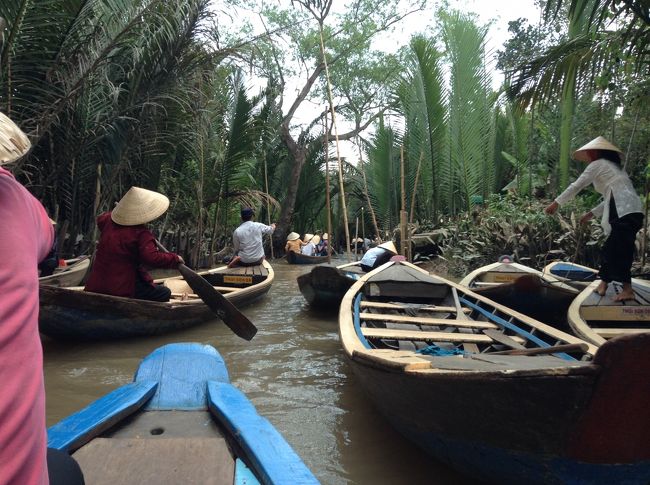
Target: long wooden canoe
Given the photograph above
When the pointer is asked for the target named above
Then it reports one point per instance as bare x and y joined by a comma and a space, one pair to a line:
572, 274
324, 286
72, 274
299, 258
179, 421
524, 289
440, 363
71, 313
597, 318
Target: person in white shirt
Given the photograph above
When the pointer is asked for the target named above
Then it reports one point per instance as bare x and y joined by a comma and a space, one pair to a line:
247, 240
309, 247
621, 211
377, 256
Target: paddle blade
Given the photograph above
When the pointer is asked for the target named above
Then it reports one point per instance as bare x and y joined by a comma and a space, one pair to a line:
219, 304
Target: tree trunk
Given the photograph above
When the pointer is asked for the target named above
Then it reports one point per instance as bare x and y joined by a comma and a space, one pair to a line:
298, 155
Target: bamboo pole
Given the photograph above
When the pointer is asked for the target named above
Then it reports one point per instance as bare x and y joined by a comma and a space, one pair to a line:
365, 192
415, 188
268, 204
338, 150
327, 190
402, 213
363, 227
356, 242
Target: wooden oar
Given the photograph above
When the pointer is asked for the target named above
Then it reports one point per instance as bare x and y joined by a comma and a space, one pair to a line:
218, 303
556, 349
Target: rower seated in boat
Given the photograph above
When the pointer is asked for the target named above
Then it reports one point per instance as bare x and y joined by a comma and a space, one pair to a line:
377, 256
247, 240
293, 243
308, 248
126, 247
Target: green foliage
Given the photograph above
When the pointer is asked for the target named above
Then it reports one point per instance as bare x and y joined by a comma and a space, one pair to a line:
519, 227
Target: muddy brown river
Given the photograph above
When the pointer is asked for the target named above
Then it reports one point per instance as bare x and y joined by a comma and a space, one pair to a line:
293, 371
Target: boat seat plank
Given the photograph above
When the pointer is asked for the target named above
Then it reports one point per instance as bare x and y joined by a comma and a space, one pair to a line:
615, 332
397, 306
530, 362
137, 461
384, 317
397, 334
627, 313
271, 456
80, 427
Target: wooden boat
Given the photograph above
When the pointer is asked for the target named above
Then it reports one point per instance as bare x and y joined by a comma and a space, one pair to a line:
71, 313
72, 274
179, 421
524, 289
572, 274
325, 285
497, 416
299, 258
597, 318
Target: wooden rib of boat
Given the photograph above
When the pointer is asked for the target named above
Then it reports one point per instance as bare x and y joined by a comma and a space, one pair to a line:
179, 421
299, 258
572, 274
72, 274
325, 285
440, 363
598, 318
524, 289
74, 314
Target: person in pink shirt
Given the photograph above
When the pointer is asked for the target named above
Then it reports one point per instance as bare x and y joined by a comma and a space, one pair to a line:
26, 238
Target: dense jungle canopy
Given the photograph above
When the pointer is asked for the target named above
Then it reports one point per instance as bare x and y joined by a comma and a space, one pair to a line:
230, 103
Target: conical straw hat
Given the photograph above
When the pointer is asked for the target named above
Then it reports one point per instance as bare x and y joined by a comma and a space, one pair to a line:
599, 143
13, 142
307, 238
139, 206
293, 236
388, 245
326, 237
316, 239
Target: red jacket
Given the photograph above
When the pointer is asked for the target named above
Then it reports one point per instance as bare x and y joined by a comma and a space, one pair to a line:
122, 253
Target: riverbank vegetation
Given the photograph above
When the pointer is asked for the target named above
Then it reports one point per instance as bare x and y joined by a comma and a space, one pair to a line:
230, 104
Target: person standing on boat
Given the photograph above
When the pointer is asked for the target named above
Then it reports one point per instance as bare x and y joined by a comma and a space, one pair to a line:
126, 248
27, 236
247, 240
309, 247
621, 211
377, 256
293, 243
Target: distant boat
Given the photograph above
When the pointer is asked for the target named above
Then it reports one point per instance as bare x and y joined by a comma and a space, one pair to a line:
572, 274
598, 318
325, 285
179, 421
299, 258
72, 274
74, 314
524, 289
495, 394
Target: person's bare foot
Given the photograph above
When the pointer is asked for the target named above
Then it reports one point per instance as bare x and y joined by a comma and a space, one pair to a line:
601, 289
626, 293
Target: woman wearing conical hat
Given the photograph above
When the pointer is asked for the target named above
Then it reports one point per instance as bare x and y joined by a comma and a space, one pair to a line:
127, 248
293, 243
25, 240
621, 211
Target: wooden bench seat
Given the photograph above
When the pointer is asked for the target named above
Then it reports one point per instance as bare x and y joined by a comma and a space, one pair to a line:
384, 317
429, 308
615, 332
396, 334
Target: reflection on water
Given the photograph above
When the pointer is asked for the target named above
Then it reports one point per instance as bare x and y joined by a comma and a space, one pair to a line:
293, 371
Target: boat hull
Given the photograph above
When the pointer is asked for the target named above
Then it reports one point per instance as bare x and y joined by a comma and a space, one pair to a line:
74, 314
72, 275
298, 258
510, 416
324, 286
